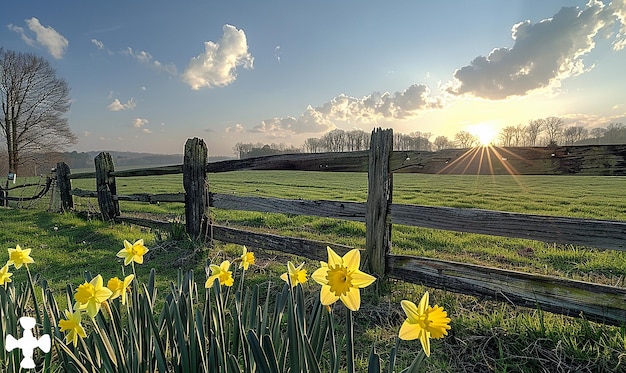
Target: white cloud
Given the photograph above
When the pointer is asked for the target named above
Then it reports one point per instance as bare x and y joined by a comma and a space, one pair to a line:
237, 128
217, 65
116, 105
139, 122
277, 53
86, 133
97, 43
311, 121
619, 8
146, 130
47, 37
146, 58
542, 56
371, 109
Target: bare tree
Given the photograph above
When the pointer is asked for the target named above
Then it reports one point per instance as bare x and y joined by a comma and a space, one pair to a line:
533, 129
519, 136
465, 139
442, 142
506, 135
334, 141
312, 145
34, 102
573, 134
554, 129
597, 133
357, 140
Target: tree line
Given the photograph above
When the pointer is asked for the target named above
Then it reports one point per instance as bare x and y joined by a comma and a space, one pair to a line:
550, 131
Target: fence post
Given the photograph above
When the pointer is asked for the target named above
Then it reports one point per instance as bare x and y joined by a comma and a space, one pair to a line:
378, 207
195, 184
105, 186
65, 186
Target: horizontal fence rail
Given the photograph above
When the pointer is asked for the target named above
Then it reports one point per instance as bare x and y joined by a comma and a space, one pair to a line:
601, 303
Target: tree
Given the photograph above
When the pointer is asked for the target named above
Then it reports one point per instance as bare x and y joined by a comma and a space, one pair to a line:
465, 139
554, 129
441, 142
507, 134
533, 129
34, 102
573, 134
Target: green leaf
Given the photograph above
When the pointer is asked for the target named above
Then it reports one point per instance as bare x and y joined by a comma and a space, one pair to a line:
415, 365
373, 364
262, 362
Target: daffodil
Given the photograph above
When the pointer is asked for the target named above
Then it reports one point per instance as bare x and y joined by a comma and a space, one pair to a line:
221, 273
423, 322
247, 258
119, 287
294, 275
5, 275
71, 325
18, 257
133, 252
90, 295
341, 279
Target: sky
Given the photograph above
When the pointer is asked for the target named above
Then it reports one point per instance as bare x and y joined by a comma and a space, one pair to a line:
146, 75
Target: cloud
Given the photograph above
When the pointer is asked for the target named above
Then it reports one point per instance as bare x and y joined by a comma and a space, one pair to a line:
97, 43
217, 65
86, 133
146, 58
619, 8
277, 53
139, 122
146, 130
237, 128
543, 54
116, 105
47, 37
311, 121
370, 109
381, 106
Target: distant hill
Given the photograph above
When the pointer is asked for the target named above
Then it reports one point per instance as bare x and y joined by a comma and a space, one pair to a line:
42, 163
126, 159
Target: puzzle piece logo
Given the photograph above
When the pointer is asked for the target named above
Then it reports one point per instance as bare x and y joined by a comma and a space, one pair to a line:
28, 342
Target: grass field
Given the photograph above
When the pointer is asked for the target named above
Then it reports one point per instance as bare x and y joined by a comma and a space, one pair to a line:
487, 336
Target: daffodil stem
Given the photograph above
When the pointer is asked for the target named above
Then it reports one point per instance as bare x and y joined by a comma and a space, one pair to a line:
334, 356
350, 342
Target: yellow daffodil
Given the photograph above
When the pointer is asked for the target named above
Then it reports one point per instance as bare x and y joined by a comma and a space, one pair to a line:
423, 322
133, 252
247, 258
119, 287
5, 275
71, 325
18, 257
221, 273
294, 275
341, 279
90, 295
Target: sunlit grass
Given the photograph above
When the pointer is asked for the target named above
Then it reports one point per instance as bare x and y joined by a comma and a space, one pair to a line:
488, 336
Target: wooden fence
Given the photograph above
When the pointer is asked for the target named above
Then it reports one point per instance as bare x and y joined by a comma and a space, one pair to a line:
600, 303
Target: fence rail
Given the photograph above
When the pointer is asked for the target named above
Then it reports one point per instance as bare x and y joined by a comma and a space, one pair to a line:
601, 303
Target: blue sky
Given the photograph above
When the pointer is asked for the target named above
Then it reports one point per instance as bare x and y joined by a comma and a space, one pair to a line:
146, 75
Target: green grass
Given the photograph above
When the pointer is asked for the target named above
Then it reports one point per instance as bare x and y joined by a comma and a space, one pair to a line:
487, 336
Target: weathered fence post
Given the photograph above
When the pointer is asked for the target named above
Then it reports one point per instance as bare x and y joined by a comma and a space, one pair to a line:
378, 207
65, 186
105, 186
195, 184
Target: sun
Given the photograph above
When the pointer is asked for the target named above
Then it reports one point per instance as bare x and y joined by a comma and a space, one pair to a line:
484, 132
